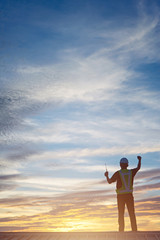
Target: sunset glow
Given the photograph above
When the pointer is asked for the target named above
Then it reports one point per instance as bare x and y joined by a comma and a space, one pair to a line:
79, 90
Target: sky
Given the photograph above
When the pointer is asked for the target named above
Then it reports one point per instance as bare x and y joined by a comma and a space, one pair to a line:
79, 89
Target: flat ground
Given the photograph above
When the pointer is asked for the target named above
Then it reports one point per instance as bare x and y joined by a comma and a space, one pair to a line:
81, 236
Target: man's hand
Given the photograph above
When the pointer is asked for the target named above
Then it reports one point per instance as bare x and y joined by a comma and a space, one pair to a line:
139, 157
108, 179
106, 174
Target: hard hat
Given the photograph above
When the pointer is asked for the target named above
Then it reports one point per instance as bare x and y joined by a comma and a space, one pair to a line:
124, 160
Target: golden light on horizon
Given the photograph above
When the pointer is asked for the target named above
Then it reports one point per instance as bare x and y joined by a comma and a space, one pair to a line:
68, 218
47, 223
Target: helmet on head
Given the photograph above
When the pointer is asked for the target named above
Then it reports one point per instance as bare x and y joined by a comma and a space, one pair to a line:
124, 160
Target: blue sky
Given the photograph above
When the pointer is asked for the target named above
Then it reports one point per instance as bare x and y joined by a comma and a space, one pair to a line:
79, 88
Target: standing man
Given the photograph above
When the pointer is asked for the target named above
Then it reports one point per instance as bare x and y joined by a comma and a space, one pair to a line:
124, 188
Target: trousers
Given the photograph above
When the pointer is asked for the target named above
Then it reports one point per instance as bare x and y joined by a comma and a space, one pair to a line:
128, 200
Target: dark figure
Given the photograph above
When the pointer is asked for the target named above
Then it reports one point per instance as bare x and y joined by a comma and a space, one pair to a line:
124, 189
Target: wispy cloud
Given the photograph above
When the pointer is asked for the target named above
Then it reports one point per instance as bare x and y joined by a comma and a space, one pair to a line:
62, 118
95, 77
89, 205
10, 177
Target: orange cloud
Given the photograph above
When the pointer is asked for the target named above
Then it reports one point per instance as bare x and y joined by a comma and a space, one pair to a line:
76, 212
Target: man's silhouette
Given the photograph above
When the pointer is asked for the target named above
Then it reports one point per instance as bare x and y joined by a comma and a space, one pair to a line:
124, 189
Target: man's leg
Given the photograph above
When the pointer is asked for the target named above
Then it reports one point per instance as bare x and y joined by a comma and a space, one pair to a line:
121, 207
131, 211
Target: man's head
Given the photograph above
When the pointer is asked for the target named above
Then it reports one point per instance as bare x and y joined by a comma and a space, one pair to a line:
124, 163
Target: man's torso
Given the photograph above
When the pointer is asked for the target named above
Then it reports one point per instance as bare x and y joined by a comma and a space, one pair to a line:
117, 178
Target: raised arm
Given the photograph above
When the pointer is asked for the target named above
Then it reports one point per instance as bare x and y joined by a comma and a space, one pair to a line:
139, 162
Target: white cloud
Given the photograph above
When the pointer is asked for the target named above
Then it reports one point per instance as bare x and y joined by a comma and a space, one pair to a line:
101, 75
102, 80
103, 83
75, 154
83, 79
